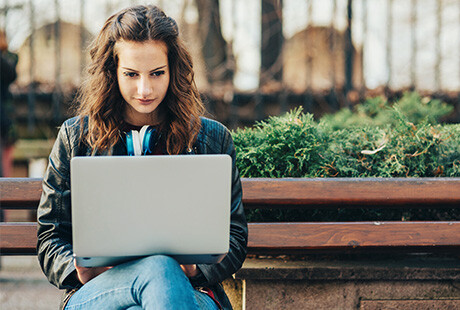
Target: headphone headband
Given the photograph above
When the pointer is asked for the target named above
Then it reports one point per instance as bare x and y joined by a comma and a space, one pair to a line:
140, 142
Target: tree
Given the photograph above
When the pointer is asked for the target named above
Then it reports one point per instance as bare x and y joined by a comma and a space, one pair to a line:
217, 56
272, 42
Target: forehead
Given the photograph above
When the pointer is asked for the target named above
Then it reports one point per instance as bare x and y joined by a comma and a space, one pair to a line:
147, 53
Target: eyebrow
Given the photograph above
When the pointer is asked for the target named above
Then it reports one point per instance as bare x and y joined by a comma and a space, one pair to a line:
156, 69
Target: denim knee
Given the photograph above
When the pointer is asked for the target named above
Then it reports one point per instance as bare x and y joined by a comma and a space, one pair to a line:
157, 265
159, 261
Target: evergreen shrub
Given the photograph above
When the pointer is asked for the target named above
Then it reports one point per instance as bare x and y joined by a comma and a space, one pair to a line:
376, 140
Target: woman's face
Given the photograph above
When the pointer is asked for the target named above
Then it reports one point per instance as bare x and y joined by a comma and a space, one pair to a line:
143, 79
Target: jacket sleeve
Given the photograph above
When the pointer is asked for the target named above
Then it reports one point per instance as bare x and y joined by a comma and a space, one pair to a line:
212, 274
54, 245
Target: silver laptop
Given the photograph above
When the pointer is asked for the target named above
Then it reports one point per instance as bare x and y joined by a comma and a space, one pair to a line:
126, 207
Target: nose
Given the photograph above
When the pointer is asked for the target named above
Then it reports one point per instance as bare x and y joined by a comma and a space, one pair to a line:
144, 87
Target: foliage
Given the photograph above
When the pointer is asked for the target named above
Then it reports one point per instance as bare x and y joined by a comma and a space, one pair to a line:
403, 140
288, 145
405, 150
294, 145
379, 112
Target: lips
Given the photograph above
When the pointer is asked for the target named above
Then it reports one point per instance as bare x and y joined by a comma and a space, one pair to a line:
145, 101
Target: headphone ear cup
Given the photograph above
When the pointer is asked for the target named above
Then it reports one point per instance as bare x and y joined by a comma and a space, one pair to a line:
129, 143
149, 141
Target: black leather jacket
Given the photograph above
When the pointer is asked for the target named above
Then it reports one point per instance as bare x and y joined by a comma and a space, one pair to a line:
54, 245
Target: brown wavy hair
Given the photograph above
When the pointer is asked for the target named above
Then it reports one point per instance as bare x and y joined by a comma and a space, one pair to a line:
99, 98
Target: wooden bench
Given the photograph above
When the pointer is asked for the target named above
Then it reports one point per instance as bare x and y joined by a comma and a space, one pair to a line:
300, 237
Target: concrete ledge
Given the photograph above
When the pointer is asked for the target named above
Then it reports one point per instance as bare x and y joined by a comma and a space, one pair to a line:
394, 269
374, 282
349, 295
445, 304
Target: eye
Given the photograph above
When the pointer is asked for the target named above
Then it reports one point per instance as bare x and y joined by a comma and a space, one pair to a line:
130, 74
158, 73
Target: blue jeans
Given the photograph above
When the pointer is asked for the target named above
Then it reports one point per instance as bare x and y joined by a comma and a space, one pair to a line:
154, 282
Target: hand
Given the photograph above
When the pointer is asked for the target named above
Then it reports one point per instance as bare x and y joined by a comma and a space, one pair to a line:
189, 270
85, 274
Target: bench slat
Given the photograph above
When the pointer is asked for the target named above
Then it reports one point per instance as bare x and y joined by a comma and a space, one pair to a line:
279, 237
18, 238
24, 193
20, 193
422, 192
353, 235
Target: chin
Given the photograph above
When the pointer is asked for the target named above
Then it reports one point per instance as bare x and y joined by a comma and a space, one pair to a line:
147, 110
142, 111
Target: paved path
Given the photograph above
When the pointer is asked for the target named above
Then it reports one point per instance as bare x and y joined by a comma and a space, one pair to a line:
23, 286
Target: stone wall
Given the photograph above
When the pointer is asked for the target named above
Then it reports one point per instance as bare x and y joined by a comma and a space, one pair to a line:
391, 283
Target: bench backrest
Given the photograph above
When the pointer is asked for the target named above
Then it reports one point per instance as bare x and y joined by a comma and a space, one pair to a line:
24, 193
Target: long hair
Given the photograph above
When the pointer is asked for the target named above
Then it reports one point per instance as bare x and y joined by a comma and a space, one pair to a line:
100, 100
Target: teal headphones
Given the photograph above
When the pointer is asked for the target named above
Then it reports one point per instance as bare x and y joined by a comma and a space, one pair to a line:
141, 142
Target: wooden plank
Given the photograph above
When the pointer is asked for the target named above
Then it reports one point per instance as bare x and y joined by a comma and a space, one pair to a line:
24, 193
419, 192
20, 193
353, 235
18, 238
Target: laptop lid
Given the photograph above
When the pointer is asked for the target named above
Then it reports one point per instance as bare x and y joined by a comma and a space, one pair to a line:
124, 207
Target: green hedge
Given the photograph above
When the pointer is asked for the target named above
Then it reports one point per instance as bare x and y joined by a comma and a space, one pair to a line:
379, 112
403, 142
376, 139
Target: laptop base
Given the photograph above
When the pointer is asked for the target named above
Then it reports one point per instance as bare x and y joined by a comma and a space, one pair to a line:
101, 261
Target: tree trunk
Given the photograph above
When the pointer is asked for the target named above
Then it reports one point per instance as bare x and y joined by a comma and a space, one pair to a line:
219, 63
272, 42
349, 50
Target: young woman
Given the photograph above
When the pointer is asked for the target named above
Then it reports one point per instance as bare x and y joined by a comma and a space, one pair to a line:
140, 74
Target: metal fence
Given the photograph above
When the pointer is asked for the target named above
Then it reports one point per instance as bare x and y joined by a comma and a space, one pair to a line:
320, 54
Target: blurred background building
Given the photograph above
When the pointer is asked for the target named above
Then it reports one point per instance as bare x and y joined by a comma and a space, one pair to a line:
253, 58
